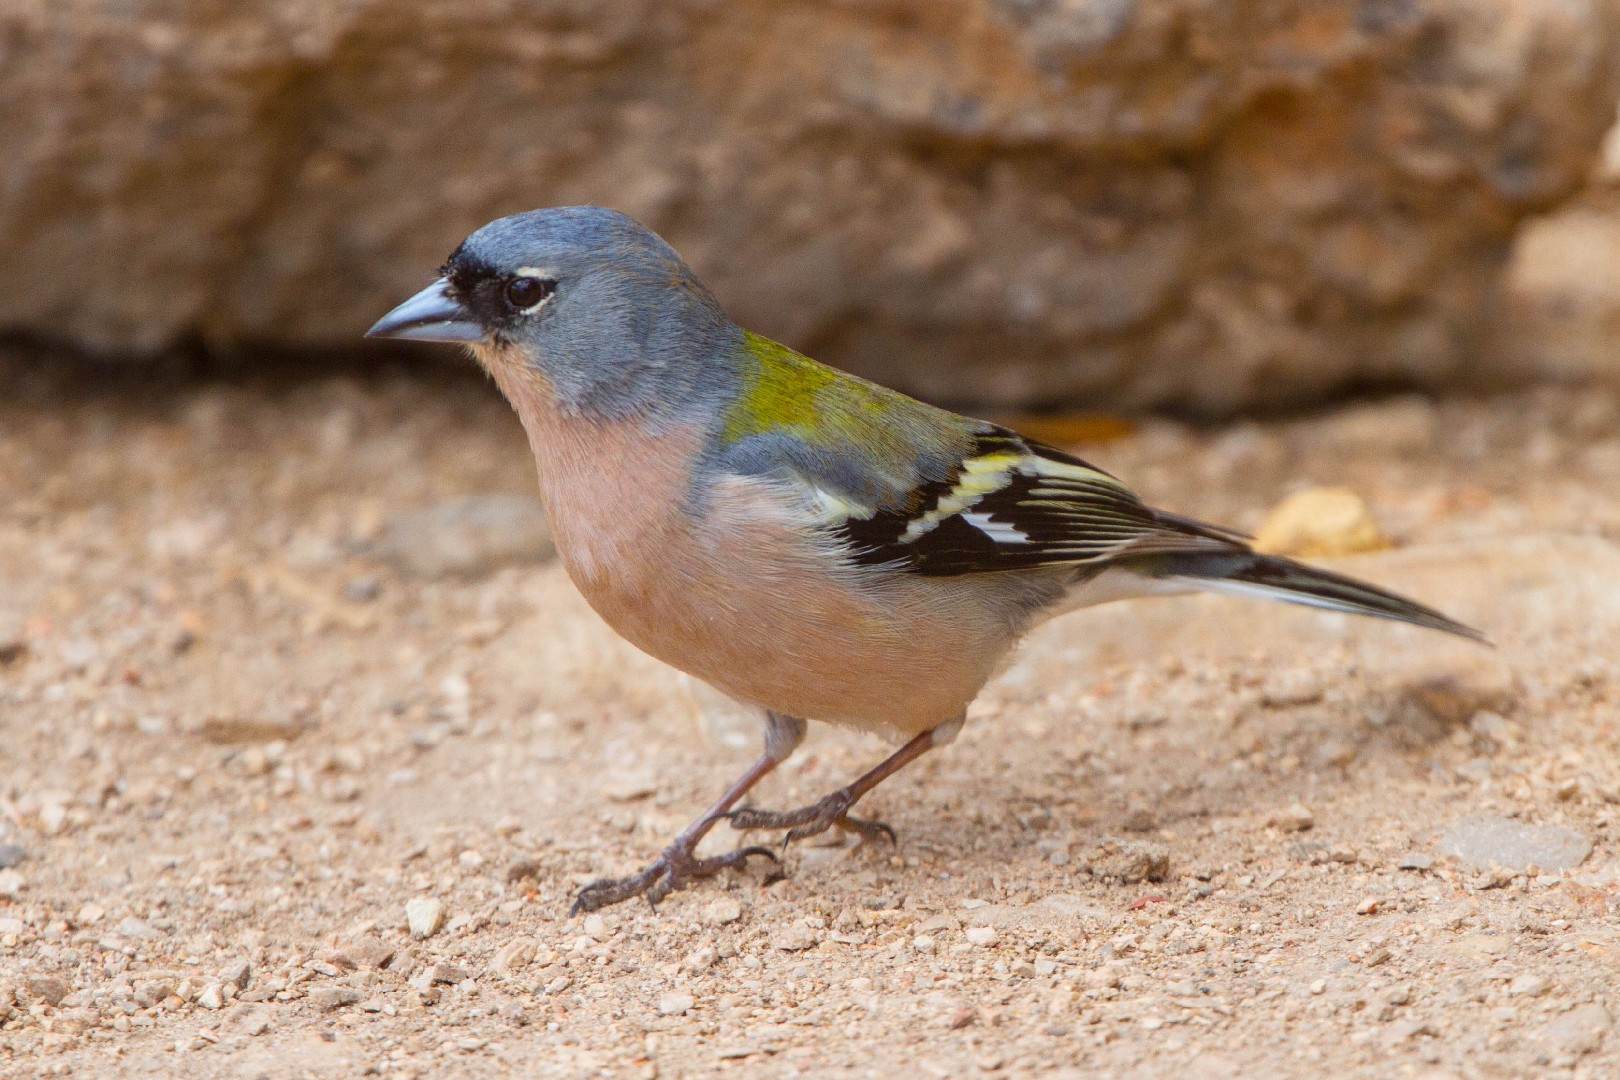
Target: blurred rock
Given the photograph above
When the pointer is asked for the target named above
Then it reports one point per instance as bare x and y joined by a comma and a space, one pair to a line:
271, 727
1320, 522
1579, 1031
45, 988
1407, 425
1127, 861
1487, 840
1295, 818
467, 537
1148, 202
11, 884
1563, 289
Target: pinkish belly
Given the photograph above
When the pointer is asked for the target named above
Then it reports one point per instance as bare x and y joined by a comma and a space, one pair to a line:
784, 635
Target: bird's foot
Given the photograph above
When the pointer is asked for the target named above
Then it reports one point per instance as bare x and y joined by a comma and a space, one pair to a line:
675, 869
818, 817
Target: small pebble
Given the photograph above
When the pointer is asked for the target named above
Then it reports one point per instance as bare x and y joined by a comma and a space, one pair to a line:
629, 785
424, 916
334, 997
46, 988
233, 730
675, 1003
514, 956
722, 911
1529, 985
794, 937
1296, 686
1320, 521
1127, 862
212, 997
445, 972
1296, 818
11, 855
982, 936
522, 868
367, 951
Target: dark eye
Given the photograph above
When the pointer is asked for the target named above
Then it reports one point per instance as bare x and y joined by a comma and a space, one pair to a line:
525, 292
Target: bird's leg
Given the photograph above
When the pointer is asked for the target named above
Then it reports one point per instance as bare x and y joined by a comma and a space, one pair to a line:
833, 811
677, 866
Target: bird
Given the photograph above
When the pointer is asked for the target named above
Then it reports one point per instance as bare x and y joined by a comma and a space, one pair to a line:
809, 543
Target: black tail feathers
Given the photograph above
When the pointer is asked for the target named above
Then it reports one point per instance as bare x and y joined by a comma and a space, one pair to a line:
1247, 573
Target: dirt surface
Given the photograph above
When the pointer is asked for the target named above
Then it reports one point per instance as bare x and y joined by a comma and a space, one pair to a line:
241, 735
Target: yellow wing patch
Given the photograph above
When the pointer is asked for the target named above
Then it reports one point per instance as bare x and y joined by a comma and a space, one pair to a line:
980, 476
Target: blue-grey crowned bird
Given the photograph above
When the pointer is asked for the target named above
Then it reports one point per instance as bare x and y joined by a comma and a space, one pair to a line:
805, 541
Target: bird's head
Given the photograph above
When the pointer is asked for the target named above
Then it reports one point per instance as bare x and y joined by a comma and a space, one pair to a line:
598, 306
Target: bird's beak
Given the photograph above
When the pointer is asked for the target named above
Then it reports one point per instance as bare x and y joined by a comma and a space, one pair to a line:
431, 315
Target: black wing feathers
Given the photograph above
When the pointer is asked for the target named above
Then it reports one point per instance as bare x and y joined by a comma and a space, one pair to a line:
1014, 505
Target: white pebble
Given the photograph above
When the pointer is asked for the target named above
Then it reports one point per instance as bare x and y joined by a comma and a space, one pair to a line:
722, 911
424, 915
675, 1004
1529, 986
983, 936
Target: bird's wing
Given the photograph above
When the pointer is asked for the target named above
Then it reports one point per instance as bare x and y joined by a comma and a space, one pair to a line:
1014, 504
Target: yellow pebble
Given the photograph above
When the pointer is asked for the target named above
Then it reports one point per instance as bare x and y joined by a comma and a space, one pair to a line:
1320, 521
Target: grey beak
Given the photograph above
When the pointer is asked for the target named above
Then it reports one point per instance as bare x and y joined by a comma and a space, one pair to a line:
430, 315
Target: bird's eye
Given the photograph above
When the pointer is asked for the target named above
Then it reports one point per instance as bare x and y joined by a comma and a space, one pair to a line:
525, 292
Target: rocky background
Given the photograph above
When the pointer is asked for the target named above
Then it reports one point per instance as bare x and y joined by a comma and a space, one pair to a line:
1211, 205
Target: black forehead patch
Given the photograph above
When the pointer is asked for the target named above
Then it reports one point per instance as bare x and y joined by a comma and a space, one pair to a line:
465, 268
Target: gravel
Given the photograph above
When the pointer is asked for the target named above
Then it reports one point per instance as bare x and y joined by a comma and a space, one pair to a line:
228, 908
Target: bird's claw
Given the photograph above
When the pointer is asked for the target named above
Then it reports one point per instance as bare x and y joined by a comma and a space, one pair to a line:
818, 817
673, 870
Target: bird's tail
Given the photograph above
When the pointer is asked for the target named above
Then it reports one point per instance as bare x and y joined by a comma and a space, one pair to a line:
1238, 571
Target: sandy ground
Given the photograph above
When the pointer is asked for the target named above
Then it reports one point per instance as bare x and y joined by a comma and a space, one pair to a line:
1190, 837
